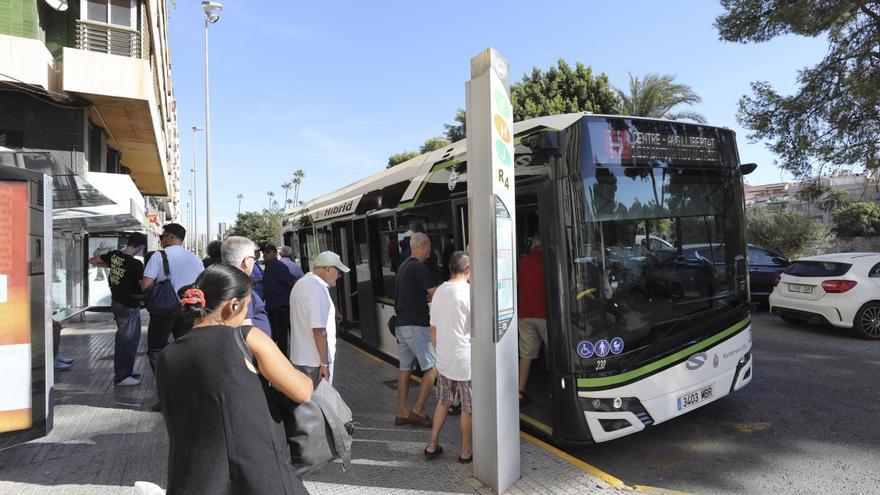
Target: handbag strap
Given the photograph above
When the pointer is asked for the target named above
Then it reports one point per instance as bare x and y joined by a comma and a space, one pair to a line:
238, 337
165, 266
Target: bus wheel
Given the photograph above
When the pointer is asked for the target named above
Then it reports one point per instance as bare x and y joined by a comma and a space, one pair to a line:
867, 322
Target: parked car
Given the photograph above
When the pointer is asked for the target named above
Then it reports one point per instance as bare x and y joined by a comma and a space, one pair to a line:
839, 289
764, 266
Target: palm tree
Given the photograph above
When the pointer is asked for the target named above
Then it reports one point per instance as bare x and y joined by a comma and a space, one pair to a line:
271, 196
298, 177
289, 202
240, 197
835, 199
656, 96
286, 186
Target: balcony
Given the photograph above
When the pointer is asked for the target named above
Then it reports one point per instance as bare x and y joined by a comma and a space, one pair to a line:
120, 88
105, 38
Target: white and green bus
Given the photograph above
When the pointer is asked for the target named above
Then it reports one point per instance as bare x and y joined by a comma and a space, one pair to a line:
644, 257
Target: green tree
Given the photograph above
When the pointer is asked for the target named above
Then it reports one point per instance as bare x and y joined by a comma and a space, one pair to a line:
398, 158
657, 95
835, 199
261, 227
561, 90
833, 119
860, 218
792, 234
434, 143
457, 130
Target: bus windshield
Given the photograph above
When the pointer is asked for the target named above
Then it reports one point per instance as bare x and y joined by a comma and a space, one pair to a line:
656, 246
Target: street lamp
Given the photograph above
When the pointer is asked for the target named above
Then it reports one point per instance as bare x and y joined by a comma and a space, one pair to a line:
211, 10
194, 223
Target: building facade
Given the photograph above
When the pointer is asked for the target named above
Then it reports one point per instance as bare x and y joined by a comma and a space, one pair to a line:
86, 85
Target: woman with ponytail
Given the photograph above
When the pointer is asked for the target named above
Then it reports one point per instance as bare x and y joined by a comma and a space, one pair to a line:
224, 435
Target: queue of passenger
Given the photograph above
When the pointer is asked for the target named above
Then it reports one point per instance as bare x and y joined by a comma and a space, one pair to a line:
214, 381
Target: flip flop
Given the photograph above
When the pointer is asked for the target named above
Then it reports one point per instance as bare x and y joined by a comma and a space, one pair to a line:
468, 460
433, 455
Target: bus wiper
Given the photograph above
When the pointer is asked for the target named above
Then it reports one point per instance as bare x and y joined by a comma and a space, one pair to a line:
675, 325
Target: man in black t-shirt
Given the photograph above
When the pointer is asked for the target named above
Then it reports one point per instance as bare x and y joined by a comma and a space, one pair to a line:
415, 286
125, 274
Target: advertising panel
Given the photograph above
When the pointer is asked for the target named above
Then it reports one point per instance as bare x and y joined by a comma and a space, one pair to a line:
15, 314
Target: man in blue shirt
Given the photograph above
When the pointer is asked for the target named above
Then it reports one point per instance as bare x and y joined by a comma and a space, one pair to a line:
277, 282
287, 258
239, 252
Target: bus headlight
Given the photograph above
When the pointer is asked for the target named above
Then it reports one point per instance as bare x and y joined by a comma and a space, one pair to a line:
618, 402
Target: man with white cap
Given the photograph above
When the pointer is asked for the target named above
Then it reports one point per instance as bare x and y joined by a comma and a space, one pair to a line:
313, 318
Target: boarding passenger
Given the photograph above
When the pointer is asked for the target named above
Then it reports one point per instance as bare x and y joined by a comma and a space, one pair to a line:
126, 272
224, 435
313, 318
237, 251
532, 312
287, 258
415, 286
451, 336
184, 266
213, 250
277, 282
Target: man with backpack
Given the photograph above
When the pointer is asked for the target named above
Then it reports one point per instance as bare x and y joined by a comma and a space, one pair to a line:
168, 271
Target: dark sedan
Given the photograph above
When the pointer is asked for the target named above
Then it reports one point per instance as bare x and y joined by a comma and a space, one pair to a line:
764, 266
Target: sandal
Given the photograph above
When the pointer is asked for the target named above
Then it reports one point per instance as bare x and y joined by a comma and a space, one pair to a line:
524, 399
466, 460
435, 454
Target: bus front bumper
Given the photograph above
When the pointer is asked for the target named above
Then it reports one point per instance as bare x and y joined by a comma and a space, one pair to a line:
699, 380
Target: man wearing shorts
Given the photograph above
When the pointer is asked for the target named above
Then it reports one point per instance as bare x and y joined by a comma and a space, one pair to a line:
451, 336
532, 312
415, 285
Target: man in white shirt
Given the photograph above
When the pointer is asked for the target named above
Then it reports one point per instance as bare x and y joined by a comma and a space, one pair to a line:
313, 318
451, 336
184, 266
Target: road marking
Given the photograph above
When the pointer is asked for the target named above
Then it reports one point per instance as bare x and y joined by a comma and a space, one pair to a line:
602, 475
593, 470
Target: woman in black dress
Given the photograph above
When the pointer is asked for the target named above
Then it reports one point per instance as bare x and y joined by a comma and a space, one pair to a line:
224, 436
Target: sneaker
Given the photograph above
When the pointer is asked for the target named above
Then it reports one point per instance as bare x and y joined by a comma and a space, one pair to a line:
62, 366
128, 382
65, 360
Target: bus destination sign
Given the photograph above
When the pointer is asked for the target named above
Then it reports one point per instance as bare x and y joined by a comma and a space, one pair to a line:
625, 145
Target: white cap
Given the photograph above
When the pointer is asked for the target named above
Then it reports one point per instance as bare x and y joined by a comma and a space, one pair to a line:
329, 258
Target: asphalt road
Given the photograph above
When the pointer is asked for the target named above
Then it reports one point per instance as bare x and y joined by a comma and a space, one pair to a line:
809, 422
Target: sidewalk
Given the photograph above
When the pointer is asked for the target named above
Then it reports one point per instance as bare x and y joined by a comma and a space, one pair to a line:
105, 437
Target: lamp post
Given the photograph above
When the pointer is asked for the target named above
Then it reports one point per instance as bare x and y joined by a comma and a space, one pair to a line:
211, 10
194, 223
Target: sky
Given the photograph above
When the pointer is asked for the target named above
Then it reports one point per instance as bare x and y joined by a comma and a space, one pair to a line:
334, 88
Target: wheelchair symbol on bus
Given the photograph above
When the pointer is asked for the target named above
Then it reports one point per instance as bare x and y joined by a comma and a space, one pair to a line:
585, 349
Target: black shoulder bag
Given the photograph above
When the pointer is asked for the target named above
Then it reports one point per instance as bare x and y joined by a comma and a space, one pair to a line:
161, 297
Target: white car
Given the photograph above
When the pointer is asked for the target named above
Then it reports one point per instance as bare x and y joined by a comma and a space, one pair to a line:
840, 289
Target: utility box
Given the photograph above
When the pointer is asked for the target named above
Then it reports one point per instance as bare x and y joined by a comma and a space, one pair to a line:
26, 359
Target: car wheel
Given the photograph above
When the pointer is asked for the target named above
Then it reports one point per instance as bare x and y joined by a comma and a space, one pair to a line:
867, 321
792, 320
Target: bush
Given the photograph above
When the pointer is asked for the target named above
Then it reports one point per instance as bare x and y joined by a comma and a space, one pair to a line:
857, 219
791, 234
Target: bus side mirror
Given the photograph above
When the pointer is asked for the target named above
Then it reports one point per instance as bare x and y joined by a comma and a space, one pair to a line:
747, 168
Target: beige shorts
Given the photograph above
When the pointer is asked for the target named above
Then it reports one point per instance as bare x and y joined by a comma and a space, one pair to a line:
532, 331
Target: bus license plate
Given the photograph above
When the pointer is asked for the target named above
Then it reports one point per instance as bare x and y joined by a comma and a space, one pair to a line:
691, 399
802, 288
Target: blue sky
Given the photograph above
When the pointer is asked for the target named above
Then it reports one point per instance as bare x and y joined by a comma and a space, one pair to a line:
334, 89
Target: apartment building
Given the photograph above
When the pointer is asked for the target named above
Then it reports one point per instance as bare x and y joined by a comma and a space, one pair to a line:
86, 95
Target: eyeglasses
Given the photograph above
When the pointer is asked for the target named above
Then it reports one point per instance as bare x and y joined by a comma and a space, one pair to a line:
251, 258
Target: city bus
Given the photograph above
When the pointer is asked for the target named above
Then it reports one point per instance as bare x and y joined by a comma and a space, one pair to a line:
641, 223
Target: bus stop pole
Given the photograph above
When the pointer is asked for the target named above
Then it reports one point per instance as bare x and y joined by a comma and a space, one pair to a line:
491, 227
